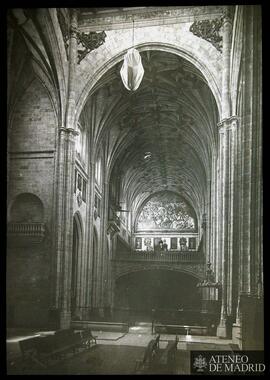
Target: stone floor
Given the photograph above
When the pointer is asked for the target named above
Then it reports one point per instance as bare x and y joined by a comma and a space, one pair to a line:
115, 353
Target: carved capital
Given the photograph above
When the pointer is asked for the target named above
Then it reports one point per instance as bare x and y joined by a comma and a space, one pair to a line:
71, 131
229, 123
209, 30
228, 14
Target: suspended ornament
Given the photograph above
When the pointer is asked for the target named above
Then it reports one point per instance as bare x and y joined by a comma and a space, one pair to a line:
132, 70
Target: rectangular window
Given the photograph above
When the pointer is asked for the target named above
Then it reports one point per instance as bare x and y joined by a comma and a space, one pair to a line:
156, 242
79, 178
84, 191
138, 243
97, 204
173, 243
75, 181
192, 243
98, 208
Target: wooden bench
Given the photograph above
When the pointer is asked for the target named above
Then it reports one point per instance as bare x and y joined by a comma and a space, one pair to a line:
29, 350
42, 349
149, 354
168, 356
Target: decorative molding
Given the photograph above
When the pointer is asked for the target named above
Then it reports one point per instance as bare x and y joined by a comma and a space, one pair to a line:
229, 123
209, 281
89, 41
20, 233
123, 268
148, 16
112, 228
209, 31
71, 131
20, 155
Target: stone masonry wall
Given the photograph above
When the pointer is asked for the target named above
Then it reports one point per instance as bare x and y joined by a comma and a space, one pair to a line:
31, 164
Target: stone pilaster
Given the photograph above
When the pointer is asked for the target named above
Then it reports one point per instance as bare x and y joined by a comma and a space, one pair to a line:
64, 202
90, 275
67, 213
250, 225
227, 162
86, 283
105, 258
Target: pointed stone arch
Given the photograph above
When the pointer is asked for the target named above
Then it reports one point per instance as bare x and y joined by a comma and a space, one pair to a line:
197, 56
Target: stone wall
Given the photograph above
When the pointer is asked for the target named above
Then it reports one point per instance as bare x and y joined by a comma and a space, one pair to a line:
31, 171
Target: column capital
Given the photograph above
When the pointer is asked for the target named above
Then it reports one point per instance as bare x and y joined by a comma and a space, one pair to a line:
228, 14
231, 122
73, 29
68, 131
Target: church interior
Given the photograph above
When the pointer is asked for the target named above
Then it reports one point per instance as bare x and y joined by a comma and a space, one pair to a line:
134, 187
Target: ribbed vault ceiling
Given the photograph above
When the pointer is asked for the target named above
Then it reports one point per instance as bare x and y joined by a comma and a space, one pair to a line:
162, 136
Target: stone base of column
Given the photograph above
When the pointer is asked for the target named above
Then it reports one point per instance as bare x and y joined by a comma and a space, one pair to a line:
65, 319
237, 334
222, 329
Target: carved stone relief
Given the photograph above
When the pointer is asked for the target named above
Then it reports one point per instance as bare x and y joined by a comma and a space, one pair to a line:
209, 30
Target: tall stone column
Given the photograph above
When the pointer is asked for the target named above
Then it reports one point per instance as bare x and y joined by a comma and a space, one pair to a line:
225, 177
64, 193
87, 291
102, 261
228, 130
250, 224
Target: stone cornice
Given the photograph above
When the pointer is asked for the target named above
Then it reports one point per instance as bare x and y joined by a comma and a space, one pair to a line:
149, 16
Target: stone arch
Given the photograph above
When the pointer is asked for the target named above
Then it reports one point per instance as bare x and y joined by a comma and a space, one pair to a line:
112, 57
78, 218
163, 289
26, 208
94, 261
76, 262
139, 209
133, 269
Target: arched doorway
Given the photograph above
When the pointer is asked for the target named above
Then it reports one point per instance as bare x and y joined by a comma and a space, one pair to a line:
94, 268
76, 260
171, 295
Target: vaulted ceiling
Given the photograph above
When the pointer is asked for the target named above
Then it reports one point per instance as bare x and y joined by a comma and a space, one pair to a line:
161, 136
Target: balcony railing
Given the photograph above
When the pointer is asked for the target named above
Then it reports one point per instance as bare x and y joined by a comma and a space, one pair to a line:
32, 232
26, 228
169, 256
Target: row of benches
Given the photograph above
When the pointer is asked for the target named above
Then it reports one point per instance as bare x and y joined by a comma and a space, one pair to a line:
42, 349
151, 357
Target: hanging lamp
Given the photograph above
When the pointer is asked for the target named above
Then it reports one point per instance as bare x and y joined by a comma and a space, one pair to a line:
132, 70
